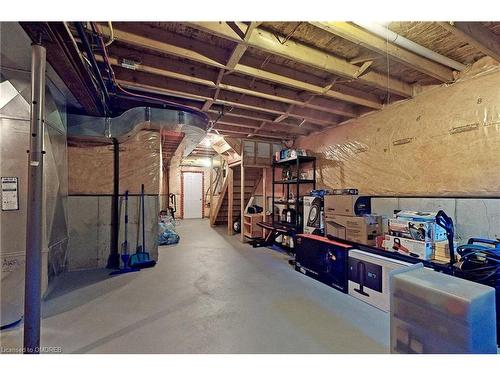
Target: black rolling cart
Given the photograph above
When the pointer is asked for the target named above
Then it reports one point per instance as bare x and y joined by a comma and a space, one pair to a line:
291, 220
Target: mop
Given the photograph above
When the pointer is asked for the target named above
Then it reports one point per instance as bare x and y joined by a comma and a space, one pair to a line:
125, 246
141, 258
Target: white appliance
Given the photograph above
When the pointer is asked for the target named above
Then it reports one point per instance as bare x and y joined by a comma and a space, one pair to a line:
313, 222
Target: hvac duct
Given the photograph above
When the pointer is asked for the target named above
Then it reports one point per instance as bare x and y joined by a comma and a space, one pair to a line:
401, 41
104, 129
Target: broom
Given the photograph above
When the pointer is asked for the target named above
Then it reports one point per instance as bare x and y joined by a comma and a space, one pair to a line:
125, 246
141, 258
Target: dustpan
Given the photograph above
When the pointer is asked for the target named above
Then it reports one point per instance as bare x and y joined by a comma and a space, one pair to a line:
141, 258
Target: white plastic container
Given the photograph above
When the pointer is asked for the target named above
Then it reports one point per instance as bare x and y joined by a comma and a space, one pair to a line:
436, 313
11, 288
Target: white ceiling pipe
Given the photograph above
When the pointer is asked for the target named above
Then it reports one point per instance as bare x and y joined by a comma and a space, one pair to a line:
401, 41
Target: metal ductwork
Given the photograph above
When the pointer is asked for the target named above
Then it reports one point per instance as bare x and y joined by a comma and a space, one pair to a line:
104, 129
115, 130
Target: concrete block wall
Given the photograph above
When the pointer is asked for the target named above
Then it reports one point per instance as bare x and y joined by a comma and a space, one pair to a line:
472, 217
90, 229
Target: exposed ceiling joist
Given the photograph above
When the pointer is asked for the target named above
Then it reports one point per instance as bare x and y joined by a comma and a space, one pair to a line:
352, 95
252, 124
258, 117
161, 90
374, 43
476, 35
68, 64
304, 54
235, 130
143, 41
242, 86
191, 91
240, 49
370, 56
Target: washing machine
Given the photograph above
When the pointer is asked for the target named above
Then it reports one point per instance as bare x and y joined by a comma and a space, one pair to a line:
313, 222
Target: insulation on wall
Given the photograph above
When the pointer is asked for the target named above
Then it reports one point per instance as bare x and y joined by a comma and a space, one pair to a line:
91, 166
444, 142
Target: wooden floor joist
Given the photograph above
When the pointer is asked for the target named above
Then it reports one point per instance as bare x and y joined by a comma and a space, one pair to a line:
137, 40
241, 86
171, 87
278, 79
304, 54
374, 43
476, 35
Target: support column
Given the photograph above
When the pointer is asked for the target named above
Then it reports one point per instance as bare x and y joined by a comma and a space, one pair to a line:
264, 198
212, 187
242, 201
34, 223
114, 256
230, 192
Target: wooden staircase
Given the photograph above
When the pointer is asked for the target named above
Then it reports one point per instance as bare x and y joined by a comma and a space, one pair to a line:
252, 179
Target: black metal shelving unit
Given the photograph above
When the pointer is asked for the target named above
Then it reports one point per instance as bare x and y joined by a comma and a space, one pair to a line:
291, 185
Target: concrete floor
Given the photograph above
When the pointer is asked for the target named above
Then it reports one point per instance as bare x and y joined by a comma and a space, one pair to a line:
208, 294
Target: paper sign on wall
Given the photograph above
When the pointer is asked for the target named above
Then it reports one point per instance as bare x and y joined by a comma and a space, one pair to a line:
10, 197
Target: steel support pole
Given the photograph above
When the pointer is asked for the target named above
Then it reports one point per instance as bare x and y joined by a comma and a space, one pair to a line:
34, 224
114, 256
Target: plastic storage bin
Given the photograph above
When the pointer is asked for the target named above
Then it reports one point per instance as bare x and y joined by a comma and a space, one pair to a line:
432, 312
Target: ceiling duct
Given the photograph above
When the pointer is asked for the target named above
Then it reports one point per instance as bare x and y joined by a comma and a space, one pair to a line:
91, 129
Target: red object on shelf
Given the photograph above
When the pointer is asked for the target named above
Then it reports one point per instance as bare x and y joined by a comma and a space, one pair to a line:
379, 241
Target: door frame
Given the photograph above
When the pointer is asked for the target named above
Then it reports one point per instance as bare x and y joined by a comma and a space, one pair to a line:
202, 192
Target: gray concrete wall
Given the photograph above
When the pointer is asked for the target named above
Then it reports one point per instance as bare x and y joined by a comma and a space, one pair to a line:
472, 217
90, 229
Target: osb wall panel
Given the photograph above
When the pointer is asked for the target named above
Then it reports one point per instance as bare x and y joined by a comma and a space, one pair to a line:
90, 169
445, 142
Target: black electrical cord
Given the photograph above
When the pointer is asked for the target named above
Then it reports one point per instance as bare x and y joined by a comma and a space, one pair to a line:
479, 263
120, 88
90, 55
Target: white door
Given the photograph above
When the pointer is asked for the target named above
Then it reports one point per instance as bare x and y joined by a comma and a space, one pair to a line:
193, 195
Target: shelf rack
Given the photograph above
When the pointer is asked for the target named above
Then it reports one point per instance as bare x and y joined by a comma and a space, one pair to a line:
293, 184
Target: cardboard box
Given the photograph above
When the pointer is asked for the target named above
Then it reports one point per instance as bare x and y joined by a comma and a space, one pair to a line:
441, 251
420, 225
362, 229
348, 205
416, 230
369, 277
322, 259
417, 249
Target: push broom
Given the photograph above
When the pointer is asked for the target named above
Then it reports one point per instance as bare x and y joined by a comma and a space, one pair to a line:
141, 258
125, 246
